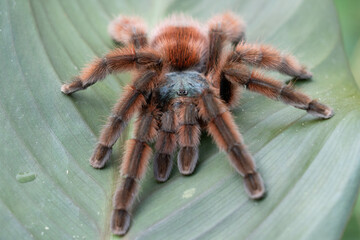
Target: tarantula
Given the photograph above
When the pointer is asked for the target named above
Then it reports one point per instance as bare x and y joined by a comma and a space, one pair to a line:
186, 78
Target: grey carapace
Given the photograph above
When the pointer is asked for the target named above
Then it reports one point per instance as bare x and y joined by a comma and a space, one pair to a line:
182, 84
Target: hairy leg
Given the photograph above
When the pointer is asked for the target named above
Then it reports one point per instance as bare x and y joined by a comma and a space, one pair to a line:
278, 91
188, 138
128, 30
221, 126
223, 28
120, 59
133, 168
267, 57
165, 146
131, 101
231, 25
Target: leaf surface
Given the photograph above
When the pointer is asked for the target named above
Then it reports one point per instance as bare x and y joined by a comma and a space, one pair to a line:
310, 166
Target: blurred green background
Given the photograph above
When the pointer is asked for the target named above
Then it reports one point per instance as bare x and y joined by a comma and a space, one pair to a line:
349, 16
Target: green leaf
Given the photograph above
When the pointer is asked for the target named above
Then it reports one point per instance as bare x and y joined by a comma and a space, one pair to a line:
310, 166
350, 23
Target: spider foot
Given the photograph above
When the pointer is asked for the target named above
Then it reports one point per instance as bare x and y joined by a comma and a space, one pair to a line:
320, 110
187, 159
305, 75
100, 156
120, 221
254, 185
162, 166
65, 89
71, 87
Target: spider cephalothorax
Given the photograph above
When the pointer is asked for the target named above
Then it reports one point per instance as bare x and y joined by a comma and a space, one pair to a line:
186, 77
182, 84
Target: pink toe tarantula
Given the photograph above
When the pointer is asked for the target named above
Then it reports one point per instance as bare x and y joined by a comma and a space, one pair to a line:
187, 77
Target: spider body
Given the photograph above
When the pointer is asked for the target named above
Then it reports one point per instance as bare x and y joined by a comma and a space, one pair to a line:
187, 77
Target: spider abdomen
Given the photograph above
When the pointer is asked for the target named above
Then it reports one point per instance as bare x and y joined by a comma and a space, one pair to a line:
182, 42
